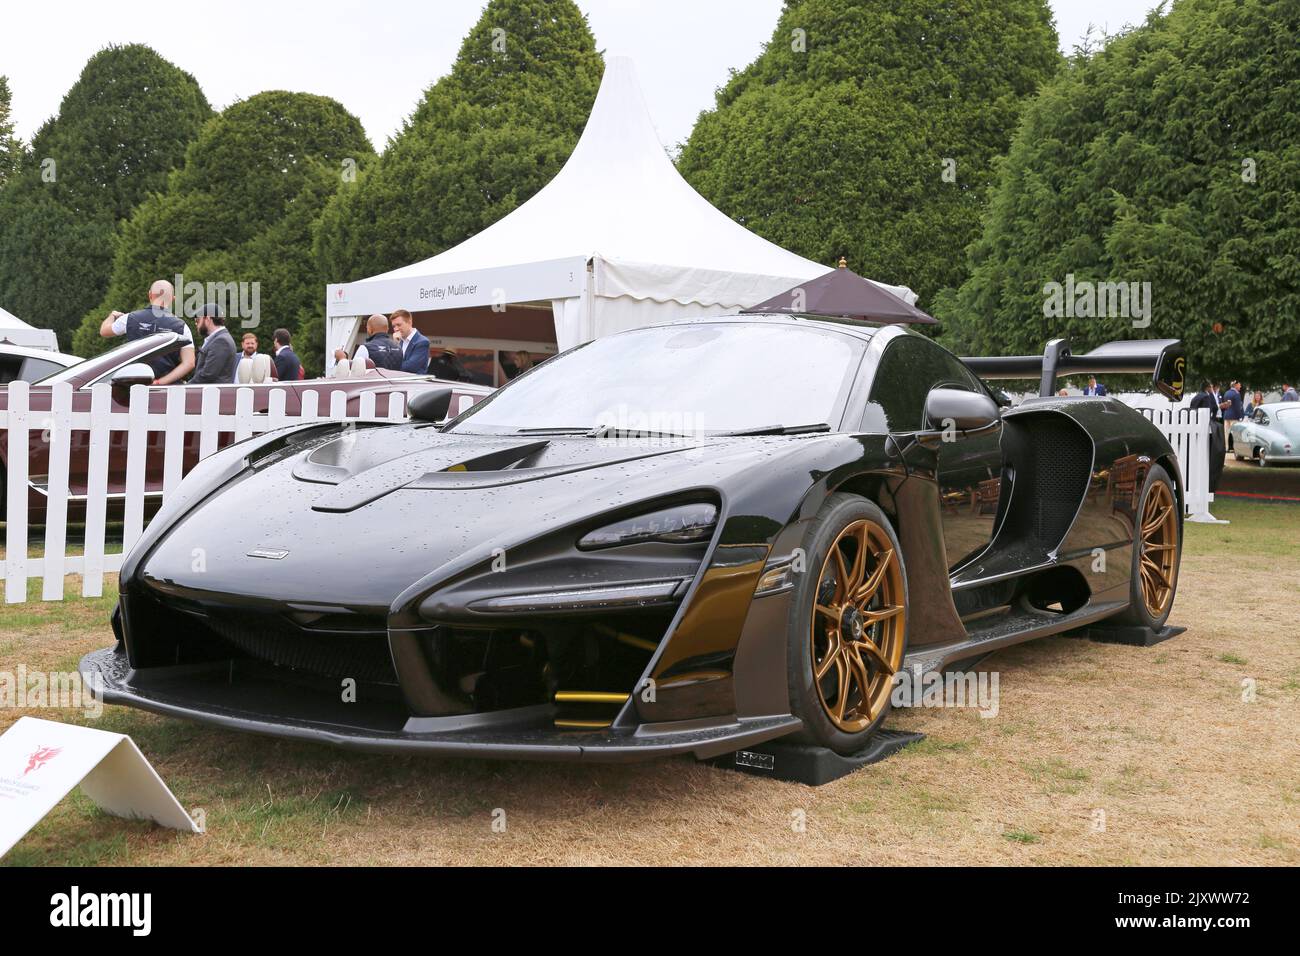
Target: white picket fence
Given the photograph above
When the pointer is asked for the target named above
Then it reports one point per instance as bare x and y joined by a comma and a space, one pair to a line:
142, 428
1188, 430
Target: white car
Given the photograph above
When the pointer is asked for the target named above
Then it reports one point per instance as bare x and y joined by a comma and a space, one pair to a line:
19, 363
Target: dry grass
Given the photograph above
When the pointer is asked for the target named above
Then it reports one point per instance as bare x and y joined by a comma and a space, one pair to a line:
1158, 739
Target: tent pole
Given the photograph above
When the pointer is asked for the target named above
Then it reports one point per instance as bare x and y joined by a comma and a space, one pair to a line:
588, 321
335, 339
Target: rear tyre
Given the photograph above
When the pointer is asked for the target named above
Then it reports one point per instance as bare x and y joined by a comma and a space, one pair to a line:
847, 630
1157, 551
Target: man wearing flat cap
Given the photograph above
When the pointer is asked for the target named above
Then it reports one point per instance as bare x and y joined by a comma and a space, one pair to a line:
217, 359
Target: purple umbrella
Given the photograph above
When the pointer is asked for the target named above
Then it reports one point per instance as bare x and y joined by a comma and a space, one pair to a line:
844, 294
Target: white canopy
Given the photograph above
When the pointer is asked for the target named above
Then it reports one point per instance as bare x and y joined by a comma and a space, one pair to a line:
17, 332
616, 240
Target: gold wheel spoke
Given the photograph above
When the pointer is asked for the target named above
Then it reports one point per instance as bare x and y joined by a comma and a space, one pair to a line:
1152, 526
881, 614
859, 570
876, 655
842, 574
1157, 575
831, 612
868, 590
859, 671
824, 666
843, 681
832, 654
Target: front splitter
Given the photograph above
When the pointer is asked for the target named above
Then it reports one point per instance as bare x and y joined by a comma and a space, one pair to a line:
281, 711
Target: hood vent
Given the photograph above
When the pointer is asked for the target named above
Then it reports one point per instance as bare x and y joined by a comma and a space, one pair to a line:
356, 488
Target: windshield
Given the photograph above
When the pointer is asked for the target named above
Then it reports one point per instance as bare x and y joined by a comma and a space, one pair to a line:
681, 380
1289, 415
95, 368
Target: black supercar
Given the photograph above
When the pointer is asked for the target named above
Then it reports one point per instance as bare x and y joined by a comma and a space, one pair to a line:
690, 538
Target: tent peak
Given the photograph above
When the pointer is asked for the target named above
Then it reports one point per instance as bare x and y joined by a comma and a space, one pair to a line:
618, 197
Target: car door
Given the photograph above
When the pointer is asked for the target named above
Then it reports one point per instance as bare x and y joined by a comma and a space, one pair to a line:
969, 466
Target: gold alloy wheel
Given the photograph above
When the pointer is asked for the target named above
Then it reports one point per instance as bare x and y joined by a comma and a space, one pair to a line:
857, 628
1158, 549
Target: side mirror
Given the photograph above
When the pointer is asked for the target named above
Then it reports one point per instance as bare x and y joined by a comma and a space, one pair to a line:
137, 373
430, 405
954, 408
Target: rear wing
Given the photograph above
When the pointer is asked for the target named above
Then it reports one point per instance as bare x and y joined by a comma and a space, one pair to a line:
1165, 359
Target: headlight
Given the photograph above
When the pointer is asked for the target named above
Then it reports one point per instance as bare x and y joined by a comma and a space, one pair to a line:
606, 597
681, 524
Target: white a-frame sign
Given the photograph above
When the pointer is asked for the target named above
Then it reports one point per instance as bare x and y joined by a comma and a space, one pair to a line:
41, 761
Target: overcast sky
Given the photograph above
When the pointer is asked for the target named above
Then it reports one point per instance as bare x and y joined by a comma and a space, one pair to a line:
376, 57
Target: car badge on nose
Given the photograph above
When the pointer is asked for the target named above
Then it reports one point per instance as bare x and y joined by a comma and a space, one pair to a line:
274, 554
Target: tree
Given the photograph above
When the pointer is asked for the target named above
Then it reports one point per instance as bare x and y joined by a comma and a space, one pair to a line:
869, 129
121, 128
240, 212
1170, 158
484, 138
10, 148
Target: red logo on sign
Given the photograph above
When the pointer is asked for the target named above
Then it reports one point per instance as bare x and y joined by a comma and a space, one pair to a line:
40, 757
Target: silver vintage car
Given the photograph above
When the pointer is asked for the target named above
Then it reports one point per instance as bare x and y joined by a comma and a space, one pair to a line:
1270, 436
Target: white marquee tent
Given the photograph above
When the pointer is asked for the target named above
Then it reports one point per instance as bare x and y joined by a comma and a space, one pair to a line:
17, 332
616, 240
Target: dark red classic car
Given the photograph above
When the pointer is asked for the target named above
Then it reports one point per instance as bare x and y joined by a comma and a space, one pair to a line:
122, 368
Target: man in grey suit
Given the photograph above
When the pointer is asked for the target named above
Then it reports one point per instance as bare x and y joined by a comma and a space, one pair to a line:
217, 359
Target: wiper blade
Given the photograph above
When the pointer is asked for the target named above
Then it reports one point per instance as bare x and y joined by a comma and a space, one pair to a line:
600, 432
778, 430
553, 430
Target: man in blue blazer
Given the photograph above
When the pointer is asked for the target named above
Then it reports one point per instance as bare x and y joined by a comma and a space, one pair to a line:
1093, 387
287, 366
415, 347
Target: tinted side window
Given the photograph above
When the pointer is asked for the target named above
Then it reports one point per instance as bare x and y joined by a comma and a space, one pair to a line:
35, 369
909, 368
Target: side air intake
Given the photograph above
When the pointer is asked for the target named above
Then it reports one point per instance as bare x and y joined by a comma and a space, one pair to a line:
1049, 459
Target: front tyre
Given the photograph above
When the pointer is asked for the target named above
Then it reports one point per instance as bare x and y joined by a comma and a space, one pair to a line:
1157, 550
847, 631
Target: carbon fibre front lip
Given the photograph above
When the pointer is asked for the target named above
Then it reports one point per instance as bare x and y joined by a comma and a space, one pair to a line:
172, 696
